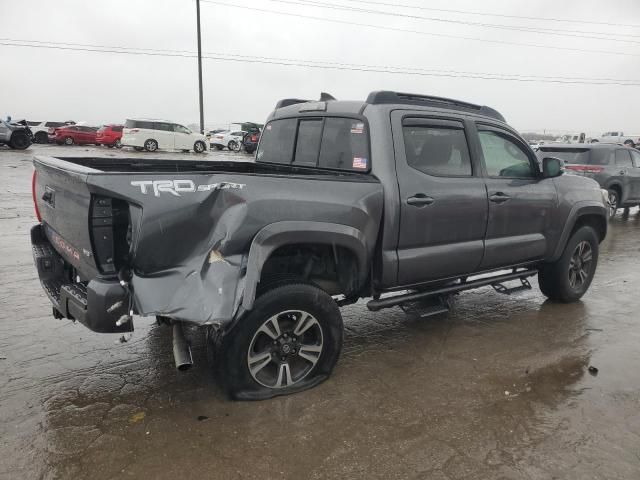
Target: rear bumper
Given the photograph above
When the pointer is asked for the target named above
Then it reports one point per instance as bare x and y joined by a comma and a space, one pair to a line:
97, 304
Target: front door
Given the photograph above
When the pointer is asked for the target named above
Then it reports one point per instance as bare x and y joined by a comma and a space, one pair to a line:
443, 199
634, 174
521, 202
182, 138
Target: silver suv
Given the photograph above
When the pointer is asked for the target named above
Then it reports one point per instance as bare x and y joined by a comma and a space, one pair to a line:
615, 167
15, 135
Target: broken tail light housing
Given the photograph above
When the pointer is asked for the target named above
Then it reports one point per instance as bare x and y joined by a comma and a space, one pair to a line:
110, 233
34, 178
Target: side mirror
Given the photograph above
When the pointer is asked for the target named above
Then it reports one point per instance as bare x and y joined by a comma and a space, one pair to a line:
552, 167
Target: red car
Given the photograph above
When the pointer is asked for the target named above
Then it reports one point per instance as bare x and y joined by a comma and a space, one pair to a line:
73, 134
110, 135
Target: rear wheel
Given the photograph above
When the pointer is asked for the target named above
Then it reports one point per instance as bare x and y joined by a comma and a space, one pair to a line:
629, 143
68, 141
19, 140
151, 145
117, 143
289, 342
569, 278
42, 137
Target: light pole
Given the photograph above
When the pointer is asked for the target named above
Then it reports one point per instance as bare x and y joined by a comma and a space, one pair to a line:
200, 69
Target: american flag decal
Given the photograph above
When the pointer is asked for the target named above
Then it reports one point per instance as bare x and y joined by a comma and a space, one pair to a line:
360, 163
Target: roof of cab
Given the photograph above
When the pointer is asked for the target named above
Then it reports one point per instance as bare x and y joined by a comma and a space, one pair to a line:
294, 106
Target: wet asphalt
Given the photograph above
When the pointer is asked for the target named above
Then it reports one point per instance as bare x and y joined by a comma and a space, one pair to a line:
499, 388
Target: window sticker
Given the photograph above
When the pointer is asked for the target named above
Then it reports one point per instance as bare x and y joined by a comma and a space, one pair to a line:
360, 163
357, 127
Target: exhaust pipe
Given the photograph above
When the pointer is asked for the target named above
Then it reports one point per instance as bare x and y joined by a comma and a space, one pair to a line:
181, 349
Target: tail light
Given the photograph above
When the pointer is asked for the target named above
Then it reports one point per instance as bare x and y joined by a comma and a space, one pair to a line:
33, 195
254, 138
110, 232
584, 168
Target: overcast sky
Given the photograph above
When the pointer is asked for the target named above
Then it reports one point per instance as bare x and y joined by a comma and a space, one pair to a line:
50, 84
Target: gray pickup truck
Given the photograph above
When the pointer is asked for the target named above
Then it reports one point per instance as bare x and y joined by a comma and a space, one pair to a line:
402, 199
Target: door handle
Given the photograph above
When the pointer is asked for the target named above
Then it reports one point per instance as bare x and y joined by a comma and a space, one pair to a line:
420, 200
499, 197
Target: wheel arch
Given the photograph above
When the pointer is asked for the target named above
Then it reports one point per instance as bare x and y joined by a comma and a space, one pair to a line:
302, 233
591, 214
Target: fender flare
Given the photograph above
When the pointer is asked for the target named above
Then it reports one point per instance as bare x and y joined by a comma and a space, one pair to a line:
580, 209
276, 235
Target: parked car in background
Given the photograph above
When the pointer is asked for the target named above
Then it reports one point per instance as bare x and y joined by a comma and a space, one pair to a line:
615, 167
229, 138
251, 140
15, 135
618, 137
211, 133
150, 135
74, 134
110, 135
41, 130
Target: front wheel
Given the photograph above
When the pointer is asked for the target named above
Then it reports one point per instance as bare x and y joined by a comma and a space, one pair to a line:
290, 341
569, 278
117, 143
613, 202
68, 141
199, 147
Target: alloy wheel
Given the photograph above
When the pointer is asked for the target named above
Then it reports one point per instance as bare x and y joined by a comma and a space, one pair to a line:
285, 349
580, 265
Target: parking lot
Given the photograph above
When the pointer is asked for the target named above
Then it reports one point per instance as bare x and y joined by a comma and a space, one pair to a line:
499, 388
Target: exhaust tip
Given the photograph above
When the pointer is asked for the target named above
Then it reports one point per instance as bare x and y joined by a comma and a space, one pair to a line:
181, 349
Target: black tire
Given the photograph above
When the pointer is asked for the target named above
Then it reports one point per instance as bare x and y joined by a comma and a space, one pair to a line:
68, 141
108, 145
42, 137
138, 149
117, 143
555, 279
291, 305
249, 150
614, 202
19, 140
199, 147
629, 143
232, 146
150, 145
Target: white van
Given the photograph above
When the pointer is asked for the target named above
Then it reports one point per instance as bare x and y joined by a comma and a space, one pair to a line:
150, 135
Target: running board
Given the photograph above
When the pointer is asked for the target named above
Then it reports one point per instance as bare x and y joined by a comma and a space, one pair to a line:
375, 305
427, 307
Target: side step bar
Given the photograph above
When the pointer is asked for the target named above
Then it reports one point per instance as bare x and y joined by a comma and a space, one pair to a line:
375, 305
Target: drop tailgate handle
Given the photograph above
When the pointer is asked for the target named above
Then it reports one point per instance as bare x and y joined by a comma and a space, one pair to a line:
499, 197
49, 196
420, 200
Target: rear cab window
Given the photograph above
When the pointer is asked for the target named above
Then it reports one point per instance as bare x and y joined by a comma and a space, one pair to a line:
336, 143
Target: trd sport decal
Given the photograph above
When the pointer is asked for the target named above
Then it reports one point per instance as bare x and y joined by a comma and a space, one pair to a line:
176, 187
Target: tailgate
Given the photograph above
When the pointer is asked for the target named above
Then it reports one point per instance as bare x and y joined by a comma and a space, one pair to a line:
64, 201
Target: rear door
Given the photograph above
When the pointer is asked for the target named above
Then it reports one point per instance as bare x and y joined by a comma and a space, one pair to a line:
443, 198
520, 201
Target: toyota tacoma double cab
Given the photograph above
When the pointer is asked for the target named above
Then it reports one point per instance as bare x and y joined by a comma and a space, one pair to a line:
401, 199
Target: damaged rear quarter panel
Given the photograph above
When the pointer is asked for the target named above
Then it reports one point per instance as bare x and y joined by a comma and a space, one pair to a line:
174, 273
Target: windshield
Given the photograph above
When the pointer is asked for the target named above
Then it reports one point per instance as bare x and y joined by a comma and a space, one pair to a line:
580, 156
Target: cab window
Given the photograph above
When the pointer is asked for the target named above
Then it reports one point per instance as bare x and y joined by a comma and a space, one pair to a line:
503, 157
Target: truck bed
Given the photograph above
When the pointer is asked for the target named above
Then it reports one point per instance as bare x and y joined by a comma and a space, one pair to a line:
158, 222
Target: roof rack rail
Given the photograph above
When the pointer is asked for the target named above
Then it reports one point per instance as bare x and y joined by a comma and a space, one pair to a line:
387, 97
289, 101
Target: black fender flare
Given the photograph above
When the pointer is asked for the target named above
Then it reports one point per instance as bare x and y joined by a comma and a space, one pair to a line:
276, 235
580, 209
